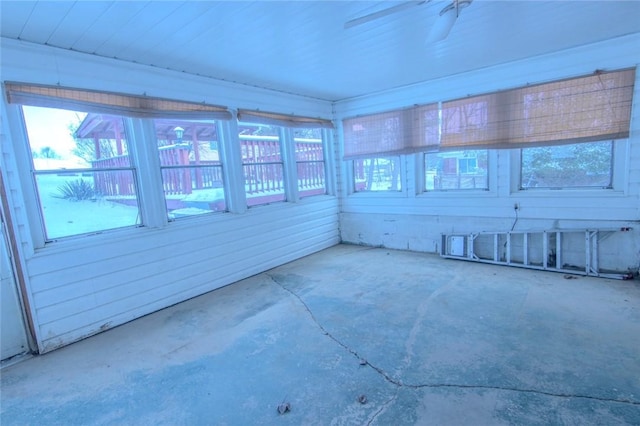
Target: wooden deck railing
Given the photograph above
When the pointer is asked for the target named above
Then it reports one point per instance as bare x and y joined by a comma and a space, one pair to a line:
262, 165
117, 182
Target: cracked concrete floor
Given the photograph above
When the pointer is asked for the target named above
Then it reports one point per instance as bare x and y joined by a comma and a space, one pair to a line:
426, 340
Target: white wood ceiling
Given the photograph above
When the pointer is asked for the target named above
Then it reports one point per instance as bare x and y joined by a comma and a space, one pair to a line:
302, 47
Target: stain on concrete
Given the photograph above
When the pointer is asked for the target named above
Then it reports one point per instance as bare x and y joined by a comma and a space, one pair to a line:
428, 341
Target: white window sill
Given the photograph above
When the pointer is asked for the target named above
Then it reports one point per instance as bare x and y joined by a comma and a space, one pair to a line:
378, 194
569, 193
124, 235
464, 193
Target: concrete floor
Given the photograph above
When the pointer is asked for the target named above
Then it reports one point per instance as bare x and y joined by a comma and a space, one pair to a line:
426, 341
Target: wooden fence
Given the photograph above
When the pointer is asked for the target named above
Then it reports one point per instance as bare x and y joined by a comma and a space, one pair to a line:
262, 165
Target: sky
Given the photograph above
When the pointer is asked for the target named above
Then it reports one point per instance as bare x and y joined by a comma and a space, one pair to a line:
49, 127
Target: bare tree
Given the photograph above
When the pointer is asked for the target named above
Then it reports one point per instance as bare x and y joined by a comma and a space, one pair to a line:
86, 147
46, 152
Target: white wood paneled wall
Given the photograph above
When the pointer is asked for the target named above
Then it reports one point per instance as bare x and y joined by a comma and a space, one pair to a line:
79, 287
411, 220
83, 289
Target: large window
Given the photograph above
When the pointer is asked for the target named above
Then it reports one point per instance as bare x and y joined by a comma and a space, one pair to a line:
377, 174
103, 160
85, 184
283, 156
310, 162
456, 170
191, 166
556, 125
586, 165
93, 166
262, 163
373, 143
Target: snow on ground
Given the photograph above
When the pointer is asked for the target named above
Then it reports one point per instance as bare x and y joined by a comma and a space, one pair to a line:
64, 217
205, 195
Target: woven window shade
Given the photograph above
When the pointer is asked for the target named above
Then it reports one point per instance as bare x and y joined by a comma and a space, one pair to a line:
272, 118
470, 123
110, 103
586, 109
391, 133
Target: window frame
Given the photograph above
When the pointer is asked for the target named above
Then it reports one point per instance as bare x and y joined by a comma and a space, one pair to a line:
619, 178
144, 159
389, 192
284, 161
137, 113
295, 190
422, 175
195, 167
33, 173
494, 156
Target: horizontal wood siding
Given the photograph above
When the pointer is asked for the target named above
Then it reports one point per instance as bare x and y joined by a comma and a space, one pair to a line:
32, 63
79, 291
578, 206
81, 286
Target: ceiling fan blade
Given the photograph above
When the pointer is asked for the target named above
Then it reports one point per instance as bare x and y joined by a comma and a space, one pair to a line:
448, 16
442, 27
381, 13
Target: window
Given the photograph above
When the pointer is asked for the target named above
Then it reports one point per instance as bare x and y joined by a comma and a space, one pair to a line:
85, 183
585, 165
262, 163
456, 170
582, 110
391, 133
377, 174
310, 163
191, 167
586, 109
273, 175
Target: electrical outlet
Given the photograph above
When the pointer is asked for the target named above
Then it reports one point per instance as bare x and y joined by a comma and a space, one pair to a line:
516, 206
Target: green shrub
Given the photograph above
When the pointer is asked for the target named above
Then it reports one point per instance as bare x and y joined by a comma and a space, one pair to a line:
76, 190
